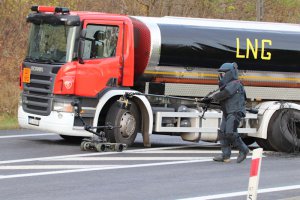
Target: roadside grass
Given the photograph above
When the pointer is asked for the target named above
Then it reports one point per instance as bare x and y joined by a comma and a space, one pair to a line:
8, 122
9, 97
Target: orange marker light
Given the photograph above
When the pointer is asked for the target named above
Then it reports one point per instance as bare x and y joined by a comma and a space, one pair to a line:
46, 9
50, 9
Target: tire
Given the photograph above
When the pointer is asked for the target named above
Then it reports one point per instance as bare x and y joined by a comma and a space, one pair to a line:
119, 147
265, 144
83, 146
129, 122
100, 147
284, 130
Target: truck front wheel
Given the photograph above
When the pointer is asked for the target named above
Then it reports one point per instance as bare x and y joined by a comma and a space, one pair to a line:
127, 123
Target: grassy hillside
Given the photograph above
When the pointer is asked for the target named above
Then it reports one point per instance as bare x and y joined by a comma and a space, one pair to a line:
14, 29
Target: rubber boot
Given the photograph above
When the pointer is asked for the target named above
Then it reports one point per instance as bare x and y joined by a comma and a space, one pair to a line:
242, 156
241, 146
221, 158
225, 147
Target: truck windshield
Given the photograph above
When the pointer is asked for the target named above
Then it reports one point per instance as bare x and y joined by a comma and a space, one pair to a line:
50, 43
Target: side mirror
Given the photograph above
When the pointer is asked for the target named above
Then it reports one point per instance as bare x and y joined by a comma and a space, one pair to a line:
81, 46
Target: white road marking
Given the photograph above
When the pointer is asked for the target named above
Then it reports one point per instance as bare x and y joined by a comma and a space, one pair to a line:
87, 154
242, 193
99, 169
125, 158
26, 135
21, 167
106, 168
134, 158
102, 156
187, 151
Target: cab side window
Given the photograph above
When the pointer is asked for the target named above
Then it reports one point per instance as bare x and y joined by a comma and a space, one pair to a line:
101, 41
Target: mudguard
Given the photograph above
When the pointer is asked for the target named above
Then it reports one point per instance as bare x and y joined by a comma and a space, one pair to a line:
266, 111
142, 103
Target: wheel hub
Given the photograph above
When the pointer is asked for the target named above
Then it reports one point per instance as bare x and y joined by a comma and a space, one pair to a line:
128, 124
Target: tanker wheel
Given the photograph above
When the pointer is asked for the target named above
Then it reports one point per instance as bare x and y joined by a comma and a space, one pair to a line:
265, 144
284, 130
129, 122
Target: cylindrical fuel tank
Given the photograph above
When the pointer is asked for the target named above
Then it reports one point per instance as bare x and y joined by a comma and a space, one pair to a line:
190, 43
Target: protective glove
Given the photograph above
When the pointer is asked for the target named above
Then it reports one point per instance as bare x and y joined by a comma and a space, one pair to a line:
207, 100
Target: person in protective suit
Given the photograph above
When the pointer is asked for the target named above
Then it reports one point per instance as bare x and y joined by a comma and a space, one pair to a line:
232, 99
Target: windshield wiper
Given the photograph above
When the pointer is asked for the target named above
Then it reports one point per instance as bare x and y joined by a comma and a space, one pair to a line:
46, 60
30, 59
42, 60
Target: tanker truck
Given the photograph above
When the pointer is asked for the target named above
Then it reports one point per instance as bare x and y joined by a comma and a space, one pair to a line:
92, 61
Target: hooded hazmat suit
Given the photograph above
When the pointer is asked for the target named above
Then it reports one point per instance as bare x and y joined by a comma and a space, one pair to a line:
232, 99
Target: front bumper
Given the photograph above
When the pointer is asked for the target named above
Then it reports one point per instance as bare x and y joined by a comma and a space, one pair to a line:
61, 123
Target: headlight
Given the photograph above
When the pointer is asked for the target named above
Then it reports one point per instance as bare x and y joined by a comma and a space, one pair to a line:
62, 106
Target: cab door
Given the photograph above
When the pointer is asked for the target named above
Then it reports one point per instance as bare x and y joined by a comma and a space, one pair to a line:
102, 57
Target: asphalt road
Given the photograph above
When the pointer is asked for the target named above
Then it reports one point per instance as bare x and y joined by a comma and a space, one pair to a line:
41, 166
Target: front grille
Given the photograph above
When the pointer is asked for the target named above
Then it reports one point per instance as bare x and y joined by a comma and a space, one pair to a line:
35, 104
37, 99
38, 85
37, 95
40, 77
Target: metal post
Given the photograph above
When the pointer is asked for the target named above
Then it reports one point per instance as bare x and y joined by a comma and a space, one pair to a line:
259, 10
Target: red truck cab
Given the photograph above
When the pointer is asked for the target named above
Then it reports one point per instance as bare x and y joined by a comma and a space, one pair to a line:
74, 56
106, 58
